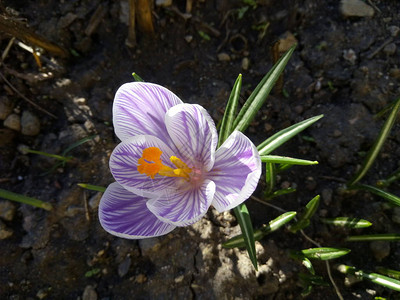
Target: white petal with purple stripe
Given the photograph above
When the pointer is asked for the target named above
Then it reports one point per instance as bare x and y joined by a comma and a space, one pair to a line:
236, 171
125, 214
124, 162
183, 207
194, 134
139, 109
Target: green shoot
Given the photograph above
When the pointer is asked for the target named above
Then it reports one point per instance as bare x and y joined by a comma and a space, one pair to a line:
24, 199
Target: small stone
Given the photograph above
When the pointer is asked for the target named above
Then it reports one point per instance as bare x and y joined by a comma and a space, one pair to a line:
141, 278
337, 133
89, 293
350, 56
6, 107
223, 56
390, 49
188, 38
30, 124
286, 41
179, 279
95, 201
394, 30
42, 294
124, 266
299, 109
13, 122
381, 249
355, 8
7, 210
327, 196
163, 3
394, 72
5, 232
396, 215
245, 63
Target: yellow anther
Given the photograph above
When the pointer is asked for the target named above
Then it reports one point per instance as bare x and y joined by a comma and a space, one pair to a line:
150, 164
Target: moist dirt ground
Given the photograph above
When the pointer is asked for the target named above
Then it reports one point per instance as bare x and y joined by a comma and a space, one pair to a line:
346, 66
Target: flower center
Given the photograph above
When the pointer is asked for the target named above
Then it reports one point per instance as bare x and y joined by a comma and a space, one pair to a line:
151, 164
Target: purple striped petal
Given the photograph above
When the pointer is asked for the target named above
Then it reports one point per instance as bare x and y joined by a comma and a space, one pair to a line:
236, 171
125, 215
194, 134
124, 162
139, 109
184, 207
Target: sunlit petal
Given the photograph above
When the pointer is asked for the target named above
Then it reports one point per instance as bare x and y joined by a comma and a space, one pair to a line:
139, 109
183, 207
236, 171
125, 214
193, 133
124, 162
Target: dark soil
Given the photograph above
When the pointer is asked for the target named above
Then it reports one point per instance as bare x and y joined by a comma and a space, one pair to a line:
345, 67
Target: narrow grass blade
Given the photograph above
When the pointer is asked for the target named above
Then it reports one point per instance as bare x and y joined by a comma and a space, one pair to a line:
230, 111
392, 178
309, 211
296, 255
389, 272
24, 199
286, 160
260, 93
347, 222
390, 237
374, 190
313, 279
373, 277
284, 135
137, 77
372, 154
281, 192
92, 187
270, 178
325, 253
243, 217
385, 281
78, 143
58, 157
238, 241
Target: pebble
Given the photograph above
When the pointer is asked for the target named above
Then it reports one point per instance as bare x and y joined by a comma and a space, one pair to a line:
124, 266
223, 56
189, 38
6, 107
394, 30
390, 49
381, 249
245, 63
355, 8
327, 196
7, 210
5, 232
13, 122
350, 56
89, 293
30, 124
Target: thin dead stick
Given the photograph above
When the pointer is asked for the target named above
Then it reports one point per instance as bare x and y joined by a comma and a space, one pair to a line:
21, 32
328, 267
377, 50
131, 40
5, 52
144, 16
25, 98
86, 206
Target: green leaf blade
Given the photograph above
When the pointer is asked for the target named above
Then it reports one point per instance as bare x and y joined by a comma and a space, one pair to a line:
24, 199
230, 111
260, 93
284, 135
325, 253
347, 222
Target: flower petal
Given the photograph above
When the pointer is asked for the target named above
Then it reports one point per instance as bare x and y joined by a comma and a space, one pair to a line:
124, 162
183, 208
139, 109
125, 214
194, 134
236, 171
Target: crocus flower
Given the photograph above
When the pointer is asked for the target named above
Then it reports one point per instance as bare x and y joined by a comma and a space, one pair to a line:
167, 169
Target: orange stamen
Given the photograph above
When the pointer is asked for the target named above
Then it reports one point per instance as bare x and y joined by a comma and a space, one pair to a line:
151, 164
